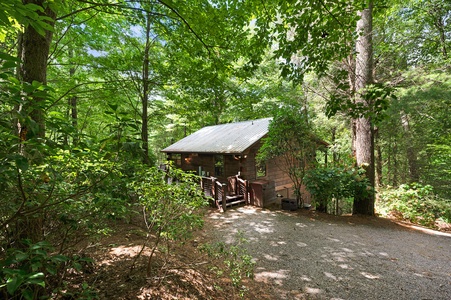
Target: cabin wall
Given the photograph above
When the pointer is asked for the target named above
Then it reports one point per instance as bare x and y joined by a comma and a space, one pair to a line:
192, 162
248, 162
232, 165
276, 172
278, 181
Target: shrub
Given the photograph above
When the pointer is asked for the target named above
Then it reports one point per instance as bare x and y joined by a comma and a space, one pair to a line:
239, 264
170, 203
416, 203
33, 272
327, 184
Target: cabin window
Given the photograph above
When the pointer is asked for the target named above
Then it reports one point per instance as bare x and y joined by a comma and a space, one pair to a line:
219, 165
261, 170
177, 159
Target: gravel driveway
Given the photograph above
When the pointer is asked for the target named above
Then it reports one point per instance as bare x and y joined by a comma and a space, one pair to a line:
303, 255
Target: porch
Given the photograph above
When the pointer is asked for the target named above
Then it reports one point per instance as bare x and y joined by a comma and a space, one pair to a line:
238, 191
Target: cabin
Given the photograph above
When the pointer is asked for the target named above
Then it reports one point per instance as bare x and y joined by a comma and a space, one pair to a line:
226, 155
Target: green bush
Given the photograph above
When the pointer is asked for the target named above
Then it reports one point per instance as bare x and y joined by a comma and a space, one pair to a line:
33, 272
239, 264
328, 184
170, 203
416, 203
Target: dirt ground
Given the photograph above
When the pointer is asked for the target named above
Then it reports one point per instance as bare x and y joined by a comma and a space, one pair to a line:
340, 269
306, 255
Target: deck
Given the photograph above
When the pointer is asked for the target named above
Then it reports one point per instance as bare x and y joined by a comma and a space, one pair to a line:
223, 195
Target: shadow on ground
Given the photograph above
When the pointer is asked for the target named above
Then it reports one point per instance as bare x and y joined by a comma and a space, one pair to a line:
305, 255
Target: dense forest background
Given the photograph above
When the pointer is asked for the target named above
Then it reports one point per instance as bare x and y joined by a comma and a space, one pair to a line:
91, 91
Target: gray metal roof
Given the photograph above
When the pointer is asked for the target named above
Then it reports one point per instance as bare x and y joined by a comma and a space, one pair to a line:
232, 138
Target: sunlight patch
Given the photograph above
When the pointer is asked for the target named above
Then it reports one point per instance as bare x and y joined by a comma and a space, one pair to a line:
369, 276
332, 239
247, 210
314, 291
270, 257
125, 251
331, 276
262, 229
346, 267
301, 244
277, 277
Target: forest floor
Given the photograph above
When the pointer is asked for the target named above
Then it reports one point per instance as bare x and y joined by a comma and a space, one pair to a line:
297, 255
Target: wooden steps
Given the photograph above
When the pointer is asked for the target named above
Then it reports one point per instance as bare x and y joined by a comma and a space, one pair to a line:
234, 200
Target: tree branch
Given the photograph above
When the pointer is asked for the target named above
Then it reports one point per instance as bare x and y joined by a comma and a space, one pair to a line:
187, 24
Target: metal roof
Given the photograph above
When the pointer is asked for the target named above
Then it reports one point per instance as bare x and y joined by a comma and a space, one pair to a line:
232, 138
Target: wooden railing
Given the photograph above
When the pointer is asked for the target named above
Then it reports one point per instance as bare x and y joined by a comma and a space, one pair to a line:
223, 195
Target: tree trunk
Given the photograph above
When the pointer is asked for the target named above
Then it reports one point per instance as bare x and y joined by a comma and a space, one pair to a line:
33, 52
364, 135
378, 158
414, 175
145, 94
72, 104
395, 168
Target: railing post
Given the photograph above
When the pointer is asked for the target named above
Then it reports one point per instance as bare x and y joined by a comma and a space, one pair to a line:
214, 191
246, 192
224, 197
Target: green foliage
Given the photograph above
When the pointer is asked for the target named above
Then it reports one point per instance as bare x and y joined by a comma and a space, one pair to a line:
376, 99
417, 132
170, 202
236, 258
328, 183
13, 13
412, 33
291, 144
31, 272
310, 35
416, 203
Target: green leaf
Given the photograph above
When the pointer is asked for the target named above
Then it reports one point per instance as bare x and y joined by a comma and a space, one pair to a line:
6, 56
34, 7
21, 163
28, 294
13, 284
60, 258
20, 256
37, 278
113, 107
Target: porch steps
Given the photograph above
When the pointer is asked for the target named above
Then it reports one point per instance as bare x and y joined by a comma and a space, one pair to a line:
234, 200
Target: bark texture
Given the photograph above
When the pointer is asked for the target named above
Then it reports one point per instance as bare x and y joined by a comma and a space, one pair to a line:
364, 135
414, 173
33, 52
145, 95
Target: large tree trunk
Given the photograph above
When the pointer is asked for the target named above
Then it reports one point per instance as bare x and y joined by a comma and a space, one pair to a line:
364, 135
33, 51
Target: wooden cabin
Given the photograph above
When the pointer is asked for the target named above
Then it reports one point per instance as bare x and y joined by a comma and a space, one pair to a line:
223, 151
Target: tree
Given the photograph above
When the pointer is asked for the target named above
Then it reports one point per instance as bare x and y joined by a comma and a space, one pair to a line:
310, 37
290, 144
364, 132
34, 46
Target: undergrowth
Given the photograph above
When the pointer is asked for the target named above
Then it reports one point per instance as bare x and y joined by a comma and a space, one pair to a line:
239, 264
415, 203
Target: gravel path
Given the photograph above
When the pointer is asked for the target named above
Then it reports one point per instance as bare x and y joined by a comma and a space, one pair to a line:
302, 255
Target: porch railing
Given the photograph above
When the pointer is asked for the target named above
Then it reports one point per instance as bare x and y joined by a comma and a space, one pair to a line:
223, 195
